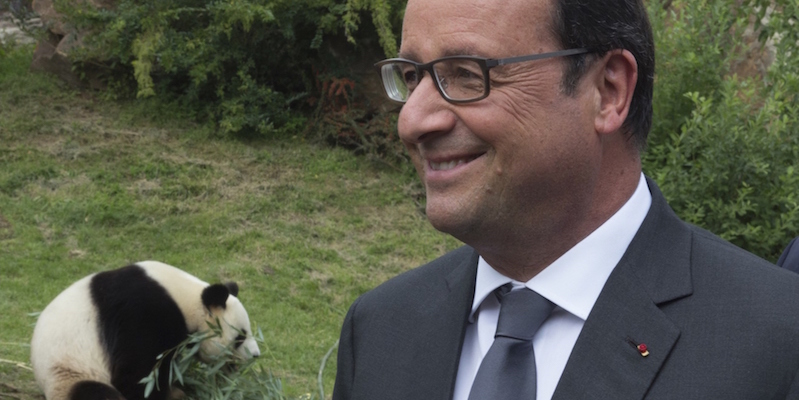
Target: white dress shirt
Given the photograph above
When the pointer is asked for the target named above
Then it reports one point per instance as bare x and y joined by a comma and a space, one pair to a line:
573, 282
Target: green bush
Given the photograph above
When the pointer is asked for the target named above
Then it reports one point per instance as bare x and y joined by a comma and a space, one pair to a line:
723, 146
247, 65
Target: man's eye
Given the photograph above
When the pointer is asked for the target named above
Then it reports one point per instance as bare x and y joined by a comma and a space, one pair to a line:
410, 77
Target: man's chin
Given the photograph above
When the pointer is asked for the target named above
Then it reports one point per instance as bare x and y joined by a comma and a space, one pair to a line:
449, 221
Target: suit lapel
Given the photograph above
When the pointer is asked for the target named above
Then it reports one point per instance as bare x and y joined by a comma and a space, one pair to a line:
447, 326
655, 269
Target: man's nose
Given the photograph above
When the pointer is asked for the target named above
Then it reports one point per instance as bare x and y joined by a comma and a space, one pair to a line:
426, 114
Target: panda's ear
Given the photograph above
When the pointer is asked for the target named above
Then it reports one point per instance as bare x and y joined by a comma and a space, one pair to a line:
215, 295
233, 288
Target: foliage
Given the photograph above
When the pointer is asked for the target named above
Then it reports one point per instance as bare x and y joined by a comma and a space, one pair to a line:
697, 43
245, 64
225, 376
386, 16
724, 147
777, 21
344, 118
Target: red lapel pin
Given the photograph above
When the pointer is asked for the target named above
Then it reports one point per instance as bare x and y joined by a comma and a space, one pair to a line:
643, 350
640, 347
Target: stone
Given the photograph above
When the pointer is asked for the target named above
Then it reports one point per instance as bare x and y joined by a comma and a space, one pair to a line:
50, 18
53, 52
46, 58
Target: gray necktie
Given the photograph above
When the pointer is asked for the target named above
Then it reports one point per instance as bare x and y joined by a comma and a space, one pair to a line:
508, 369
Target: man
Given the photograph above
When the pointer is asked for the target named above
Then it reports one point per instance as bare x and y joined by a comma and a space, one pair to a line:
533, 161
790, 256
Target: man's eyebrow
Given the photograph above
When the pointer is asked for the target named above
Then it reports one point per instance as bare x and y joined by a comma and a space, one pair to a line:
408, 55
460, 51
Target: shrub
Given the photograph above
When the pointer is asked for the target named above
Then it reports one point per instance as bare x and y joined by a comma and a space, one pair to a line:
723, 147
245, 64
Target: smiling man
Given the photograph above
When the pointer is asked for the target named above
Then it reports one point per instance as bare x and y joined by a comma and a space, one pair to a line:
525, 120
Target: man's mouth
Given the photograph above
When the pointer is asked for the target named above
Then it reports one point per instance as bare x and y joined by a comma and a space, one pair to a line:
450, 164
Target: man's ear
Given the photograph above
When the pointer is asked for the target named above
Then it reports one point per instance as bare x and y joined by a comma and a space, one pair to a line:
615, 83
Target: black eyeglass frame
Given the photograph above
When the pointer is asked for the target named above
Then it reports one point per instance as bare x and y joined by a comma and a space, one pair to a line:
485, 65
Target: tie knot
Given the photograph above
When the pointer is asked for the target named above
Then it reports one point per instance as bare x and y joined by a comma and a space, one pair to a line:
521, 313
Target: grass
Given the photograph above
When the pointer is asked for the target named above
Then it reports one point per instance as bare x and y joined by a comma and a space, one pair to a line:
88, 185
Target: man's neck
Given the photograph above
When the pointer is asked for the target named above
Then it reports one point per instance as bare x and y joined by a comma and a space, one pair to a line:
523, 255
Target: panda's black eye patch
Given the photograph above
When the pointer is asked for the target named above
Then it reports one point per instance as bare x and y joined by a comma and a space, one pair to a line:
240, 340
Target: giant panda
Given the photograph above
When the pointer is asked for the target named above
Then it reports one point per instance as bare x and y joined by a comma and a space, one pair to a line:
99, 337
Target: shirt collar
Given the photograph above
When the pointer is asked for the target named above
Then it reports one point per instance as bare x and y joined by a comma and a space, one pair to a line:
573, 282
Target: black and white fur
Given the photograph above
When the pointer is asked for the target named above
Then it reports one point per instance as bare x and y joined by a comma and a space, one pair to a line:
99, 337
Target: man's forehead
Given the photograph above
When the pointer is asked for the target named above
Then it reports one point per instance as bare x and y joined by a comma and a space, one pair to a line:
441, 28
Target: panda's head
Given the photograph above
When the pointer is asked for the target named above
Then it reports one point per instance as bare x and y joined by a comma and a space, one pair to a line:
221, 305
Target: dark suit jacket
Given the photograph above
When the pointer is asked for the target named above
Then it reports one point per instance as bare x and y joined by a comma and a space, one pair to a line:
790, 257
720, 323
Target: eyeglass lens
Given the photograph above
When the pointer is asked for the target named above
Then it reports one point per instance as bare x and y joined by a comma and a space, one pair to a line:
399, 79
458, 79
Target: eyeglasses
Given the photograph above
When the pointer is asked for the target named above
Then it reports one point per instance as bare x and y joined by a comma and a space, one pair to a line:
459, 79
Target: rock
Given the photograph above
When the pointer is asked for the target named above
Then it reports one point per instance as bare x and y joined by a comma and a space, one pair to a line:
50, 17
46, 58
53, 21
53, 52
10, 28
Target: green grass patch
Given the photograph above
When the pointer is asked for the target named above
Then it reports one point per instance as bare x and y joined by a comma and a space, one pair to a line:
88, 184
